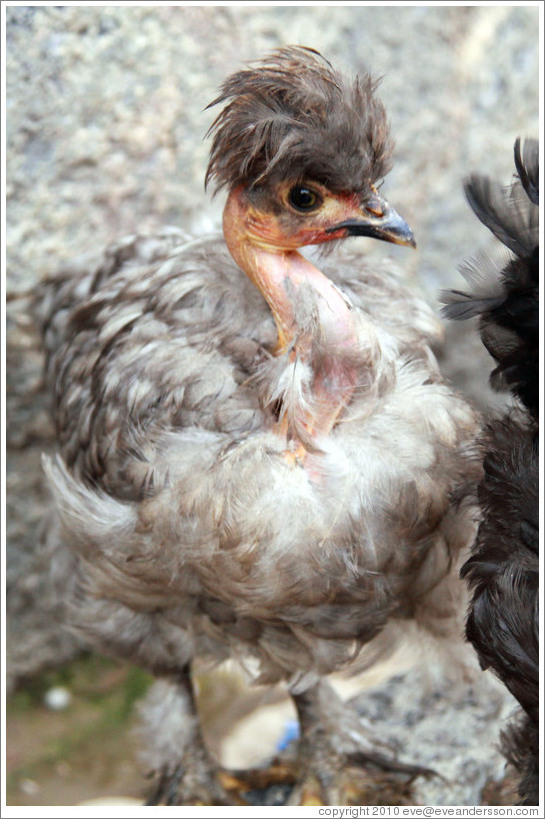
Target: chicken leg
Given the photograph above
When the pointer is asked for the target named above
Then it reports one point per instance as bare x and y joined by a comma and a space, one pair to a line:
183, 769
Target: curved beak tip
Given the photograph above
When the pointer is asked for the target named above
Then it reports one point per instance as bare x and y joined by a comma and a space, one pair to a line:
410, 242
399, 233
386, 225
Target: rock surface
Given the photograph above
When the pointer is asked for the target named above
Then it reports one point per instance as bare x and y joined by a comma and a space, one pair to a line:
453, 732
105, 124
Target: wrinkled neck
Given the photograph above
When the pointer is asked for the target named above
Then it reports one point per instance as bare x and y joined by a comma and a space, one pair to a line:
284, 276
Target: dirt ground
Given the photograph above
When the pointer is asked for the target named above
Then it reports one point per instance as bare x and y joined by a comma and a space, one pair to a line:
85, 752
79, 752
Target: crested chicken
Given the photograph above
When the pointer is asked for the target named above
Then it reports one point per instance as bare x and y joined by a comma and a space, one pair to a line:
503, 570
257, 455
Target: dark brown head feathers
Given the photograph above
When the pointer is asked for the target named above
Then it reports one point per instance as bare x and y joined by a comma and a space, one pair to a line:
292, 116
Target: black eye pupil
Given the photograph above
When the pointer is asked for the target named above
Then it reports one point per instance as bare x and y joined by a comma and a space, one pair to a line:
303, 198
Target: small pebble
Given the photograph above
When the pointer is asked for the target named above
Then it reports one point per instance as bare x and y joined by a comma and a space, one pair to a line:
29, 787
58, 698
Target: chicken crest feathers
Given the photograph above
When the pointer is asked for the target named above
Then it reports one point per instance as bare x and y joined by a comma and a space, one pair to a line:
294, 115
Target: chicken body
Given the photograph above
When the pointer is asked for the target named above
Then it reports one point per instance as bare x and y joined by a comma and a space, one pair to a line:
265, 475
183, 505
503, 571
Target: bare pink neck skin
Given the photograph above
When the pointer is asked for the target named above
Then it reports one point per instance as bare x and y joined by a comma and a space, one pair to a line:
279, 272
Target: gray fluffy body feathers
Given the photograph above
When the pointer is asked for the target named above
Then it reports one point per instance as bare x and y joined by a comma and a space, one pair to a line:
172, 481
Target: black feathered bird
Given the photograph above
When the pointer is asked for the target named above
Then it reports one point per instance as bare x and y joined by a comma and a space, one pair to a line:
245, 468
503, 570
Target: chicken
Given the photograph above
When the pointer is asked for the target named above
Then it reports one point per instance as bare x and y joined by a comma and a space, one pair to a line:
503, 570
255, 459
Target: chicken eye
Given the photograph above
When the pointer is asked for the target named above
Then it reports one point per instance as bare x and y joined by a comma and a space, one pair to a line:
304, 199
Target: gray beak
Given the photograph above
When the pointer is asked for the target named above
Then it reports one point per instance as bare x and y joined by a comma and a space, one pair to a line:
379, 221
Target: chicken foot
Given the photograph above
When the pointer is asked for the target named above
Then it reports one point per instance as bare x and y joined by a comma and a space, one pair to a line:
338, 760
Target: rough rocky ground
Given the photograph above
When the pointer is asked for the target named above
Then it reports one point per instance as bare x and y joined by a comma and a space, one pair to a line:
105, 126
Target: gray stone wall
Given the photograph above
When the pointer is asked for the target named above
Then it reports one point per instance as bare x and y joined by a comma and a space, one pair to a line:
105, 124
